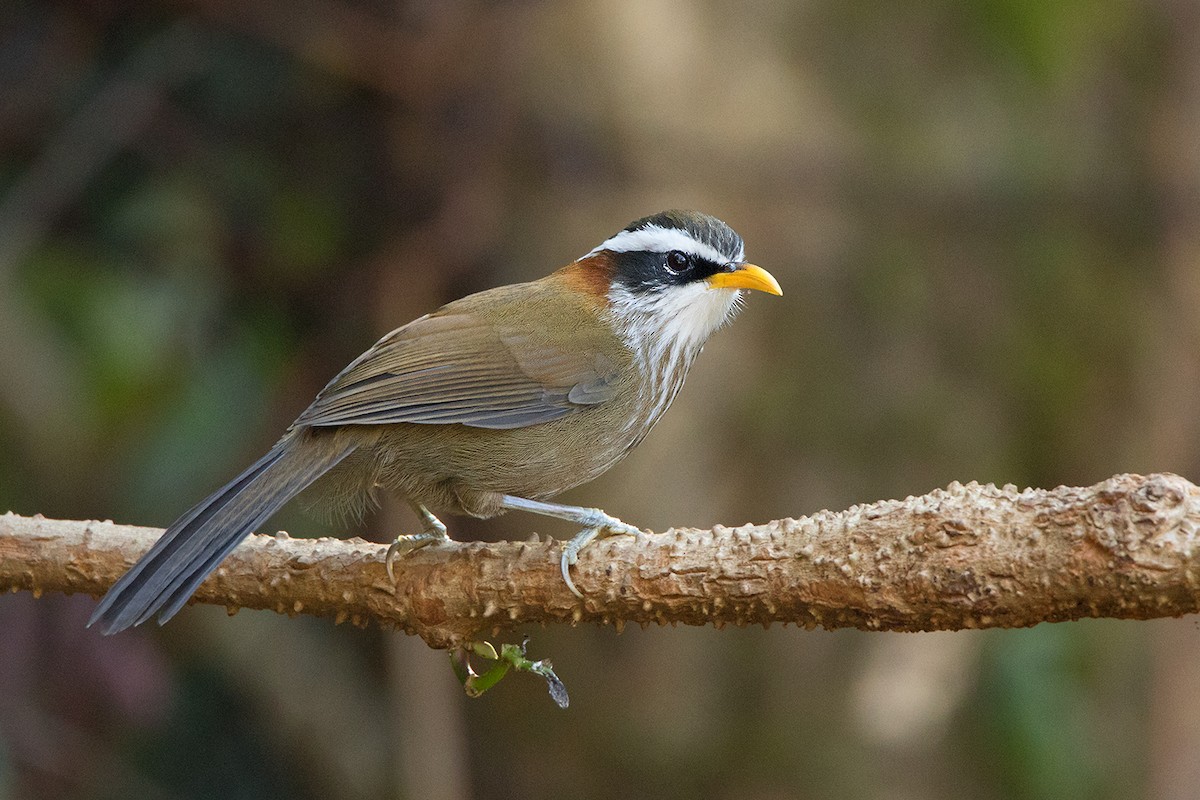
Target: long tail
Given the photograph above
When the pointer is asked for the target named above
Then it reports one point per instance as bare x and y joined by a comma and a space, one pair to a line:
165, 577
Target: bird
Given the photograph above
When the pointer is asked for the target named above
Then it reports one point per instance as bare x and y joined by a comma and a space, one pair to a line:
497, 401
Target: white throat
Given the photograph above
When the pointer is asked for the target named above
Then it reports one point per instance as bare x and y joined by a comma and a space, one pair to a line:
665, 331
678, 317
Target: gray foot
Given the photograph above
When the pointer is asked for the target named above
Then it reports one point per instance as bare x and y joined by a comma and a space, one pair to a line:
434, 533
611, 526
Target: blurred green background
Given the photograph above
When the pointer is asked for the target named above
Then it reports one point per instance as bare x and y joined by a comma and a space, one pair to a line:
984, 216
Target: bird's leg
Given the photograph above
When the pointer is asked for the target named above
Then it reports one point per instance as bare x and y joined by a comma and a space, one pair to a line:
434, 531
596, 524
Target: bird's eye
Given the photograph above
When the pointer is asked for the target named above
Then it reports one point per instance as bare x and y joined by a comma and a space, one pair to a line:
677, 262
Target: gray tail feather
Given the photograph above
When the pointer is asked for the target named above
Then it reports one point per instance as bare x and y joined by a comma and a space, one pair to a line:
165, 577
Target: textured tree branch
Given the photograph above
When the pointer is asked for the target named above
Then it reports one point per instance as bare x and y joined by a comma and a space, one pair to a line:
965, 557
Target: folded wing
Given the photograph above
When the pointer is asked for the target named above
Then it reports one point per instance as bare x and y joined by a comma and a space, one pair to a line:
456, 368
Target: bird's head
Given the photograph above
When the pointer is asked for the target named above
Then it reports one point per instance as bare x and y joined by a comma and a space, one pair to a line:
676, 276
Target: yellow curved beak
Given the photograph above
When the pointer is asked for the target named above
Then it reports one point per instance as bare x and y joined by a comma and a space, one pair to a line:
746, 276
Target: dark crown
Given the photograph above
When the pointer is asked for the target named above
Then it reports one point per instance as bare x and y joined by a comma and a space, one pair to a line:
702, 227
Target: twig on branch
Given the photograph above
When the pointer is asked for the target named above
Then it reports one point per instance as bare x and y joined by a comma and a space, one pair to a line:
964, 557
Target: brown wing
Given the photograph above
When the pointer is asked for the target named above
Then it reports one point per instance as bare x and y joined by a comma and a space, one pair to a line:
456, 368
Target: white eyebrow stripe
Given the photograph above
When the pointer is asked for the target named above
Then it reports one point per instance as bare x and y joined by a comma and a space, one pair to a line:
655, 239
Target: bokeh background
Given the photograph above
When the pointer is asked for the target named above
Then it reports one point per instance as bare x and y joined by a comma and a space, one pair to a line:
984, 216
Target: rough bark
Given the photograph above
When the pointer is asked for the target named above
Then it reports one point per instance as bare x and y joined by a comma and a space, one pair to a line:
963, 557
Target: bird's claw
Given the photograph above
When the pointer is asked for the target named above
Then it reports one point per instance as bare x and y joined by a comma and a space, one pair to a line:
403, 545
570, 553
